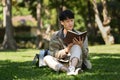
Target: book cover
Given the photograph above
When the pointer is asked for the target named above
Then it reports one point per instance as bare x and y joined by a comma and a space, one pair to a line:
71, 35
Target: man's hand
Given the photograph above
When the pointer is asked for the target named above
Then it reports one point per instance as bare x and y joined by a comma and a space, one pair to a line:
67, 49
78, 42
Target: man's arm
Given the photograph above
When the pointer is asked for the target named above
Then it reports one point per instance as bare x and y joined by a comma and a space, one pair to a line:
85, 48
56, 48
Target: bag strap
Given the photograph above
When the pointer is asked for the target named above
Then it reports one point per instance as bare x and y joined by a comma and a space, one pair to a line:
35, 58
46, 52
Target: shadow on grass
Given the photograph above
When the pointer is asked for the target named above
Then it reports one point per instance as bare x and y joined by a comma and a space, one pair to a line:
21, 70
105, 67
7, 50
18, 50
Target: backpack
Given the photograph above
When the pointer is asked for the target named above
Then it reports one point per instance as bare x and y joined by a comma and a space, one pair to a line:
38, 58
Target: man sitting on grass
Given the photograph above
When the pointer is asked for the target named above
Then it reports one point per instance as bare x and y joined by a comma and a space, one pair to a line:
74, 54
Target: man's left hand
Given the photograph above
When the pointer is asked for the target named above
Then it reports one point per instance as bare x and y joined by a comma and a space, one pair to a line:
78, 42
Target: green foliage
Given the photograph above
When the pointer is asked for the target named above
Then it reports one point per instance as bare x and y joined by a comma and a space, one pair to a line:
114, 10
20, 11
1, 11
17, 65
79, 23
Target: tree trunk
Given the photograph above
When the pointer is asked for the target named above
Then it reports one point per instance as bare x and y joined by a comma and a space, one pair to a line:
8, 42
106, 23
105, 31
39, 36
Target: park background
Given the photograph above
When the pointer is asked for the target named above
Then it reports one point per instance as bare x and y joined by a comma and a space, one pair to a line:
26, 27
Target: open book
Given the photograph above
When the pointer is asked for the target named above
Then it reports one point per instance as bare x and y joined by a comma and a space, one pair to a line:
71, 35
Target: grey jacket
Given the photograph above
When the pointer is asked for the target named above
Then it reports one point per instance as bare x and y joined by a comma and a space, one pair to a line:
56, 45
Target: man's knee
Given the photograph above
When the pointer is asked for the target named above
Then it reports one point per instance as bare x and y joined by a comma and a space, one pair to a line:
47, 57
76, 47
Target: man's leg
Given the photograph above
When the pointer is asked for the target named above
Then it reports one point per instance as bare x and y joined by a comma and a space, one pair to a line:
54, 64
75, 59
76, 55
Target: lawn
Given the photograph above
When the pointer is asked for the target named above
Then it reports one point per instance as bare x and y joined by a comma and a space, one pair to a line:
17, 65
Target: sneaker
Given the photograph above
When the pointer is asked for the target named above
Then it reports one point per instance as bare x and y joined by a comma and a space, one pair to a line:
72, 71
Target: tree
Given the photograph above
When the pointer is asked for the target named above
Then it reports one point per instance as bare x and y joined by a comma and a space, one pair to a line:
103, 27
8, 42
38, 13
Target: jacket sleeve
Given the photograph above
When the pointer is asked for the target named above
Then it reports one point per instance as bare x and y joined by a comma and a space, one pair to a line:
56, 48
85, 48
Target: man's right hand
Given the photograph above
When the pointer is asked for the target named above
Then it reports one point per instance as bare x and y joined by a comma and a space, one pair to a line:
67, 49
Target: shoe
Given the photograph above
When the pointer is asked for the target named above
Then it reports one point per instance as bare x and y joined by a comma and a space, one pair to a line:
72, 71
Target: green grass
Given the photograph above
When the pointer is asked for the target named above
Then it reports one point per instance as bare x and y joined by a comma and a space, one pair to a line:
17, 65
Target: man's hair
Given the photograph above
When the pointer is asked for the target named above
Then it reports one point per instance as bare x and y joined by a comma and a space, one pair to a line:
66, 14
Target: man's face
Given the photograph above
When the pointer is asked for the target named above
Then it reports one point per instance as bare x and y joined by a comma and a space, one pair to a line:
68, 24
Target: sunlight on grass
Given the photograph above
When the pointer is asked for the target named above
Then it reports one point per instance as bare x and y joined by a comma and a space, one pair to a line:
20, 55
105, 49
98, 57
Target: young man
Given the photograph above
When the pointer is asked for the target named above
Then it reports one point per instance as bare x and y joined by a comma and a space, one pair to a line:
74, 54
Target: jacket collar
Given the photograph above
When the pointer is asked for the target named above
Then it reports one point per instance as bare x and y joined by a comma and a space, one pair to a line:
61, 34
